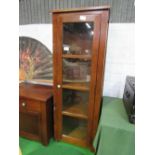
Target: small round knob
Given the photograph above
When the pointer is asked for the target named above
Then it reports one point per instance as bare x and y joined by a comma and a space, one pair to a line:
54, 108
58, 86
23, 104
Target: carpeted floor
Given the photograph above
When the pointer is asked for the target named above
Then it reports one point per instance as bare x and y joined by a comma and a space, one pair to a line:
29, 147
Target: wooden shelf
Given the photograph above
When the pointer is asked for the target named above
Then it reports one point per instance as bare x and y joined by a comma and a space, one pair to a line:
73, 56
79, 110
75, 141
74, 127
76, 86
79, 133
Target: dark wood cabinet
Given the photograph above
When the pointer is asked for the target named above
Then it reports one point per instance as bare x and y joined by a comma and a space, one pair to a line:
35, 112
79, 39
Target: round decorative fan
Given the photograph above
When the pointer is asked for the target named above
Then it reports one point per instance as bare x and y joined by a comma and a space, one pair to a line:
35, 61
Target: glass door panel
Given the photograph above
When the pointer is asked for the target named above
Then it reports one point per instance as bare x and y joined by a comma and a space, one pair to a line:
77, 38
77, 44
75, 103
75, 128
76, 71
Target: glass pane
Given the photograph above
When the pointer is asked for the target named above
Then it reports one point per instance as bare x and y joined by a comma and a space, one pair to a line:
74, 127
77, 38
77, 51
76, 70
75, 103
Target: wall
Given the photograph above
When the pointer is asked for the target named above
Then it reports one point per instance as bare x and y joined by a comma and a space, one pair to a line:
120, 58
37, 11
120, 52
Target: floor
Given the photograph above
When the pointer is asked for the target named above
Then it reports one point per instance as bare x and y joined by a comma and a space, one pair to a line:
29, 147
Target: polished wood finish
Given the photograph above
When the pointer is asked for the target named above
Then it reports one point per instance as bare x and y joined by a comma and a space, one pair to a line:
100, 72
100, 18
76, 86
76, 110
35, 91
35, 112
74, 141
29, 125
29, 105
86, 57
106, 7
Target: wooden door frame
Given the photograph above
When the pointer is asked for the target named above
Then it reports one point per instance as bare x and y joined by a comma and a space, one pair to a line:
57, 27
100, 69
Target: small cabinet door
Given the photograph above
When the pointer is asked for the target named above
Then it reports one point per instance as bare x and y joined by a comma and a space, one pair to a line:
75, 61
30, 125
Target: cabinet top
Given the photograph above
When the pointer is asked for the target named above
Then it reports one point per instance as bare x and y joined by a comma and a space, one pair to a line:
36, 92
96, 8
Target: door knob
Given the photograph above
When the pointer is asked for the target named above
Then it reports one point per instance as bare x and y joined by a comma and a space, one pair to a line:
58, 86
54, 108
23, 104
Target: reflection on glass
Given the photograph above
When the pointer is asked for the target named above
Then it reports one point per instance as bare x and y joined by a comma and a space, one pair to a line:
75, 128
77, 38
76, 70
75, 103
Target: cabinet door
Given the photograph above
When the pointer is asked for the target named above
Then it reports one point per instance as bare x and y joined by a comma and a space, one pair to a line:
29, 125
75, 54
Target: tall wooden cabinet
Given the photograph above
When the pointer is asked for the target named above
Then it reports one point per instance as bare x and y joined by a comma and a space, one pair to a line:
79, 48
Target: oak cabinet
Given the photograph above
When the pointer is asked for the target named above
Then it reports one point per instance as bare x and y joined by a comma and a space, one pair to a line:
79, 39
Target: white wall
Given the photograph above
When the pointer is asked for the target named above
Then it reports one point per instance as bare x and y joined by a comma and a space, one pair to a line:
41, 32
120, 53
120, 58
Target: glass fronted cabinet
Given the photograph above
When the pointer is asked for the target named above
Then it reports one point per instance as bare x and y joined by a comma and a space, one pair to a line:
79, 44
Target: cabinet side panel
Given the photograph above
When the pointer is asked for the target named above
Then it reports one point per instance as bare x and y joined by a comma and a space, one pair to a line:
44, 124
100, 69
46, 121
93, 74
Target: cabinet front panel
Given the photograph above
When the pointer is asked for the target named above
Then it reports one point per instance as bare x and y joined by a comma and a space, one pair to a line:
76, 54
75, 128
29, 122
30, 105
